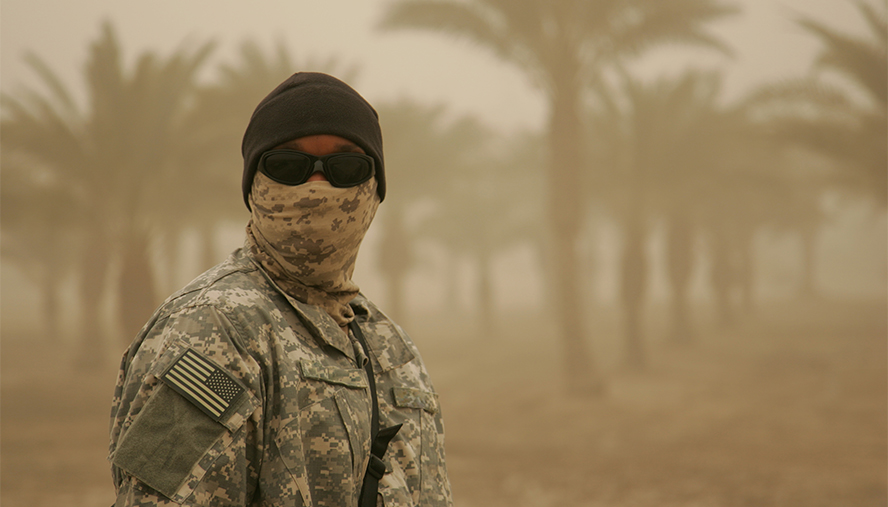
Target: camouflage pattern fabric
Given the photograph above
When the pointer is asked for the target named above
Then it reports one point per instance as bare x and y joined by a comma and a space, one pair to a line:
276, 404
308, 240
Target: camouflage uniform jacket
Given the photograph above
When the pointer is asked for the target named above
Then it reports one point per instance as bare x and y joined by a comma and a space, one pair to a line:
236, 394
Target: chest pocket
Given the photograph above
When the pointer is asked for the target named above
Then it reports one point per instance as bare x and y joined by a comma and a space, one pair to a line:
325, 443
414, 454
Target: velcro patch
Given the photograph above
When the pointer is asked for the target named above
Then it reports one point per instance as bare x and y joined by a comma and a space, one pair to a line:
202, 382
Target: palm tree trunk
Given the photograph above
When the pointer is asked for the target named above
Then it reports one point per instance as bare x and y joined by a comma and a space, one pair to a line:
170, 246
451, 295
486, 304
49, 275
565, 215
93, 282
746, 269
809, 261
721, 276
50, 303
136, 291
634, 280
208, 255
680, 257
395, 262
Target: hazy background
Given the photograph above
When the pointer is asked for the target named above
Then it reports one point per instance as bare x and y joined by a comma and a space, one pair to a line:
768, 45
719, 336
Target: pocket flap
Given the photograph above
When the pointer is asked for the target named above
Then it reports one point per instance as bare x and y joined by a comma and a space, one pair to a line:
406, 397
347, 377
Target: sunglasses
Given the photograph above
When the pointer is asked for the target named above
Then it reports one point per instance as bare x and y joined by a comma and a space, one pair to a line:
292, 167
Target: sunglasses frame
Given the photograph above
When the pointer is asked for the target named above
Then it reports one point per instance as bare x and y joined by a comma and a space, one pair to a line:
325, 170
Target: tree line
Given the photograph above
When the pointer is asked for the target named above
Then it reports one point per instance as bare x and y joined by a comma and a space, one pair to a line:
105, 192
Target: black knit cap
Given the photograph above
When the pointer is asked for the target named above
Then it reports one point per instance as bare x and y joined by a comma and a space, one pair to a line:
306, 104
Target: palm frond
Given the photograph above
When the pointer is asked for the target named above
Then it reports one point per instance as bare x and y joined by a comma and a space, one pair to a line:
454, 18
652, 23
57, 88
864, 62
35, 127
878, 22
104, 69
798, 96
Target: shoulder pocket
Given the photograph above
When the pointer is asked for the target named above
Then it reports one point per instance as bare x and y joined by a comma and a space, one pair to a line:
181, 430
406, 397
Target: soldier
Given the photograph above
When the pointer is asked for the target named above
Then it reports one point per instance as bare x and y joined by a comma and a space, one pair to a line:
270, 380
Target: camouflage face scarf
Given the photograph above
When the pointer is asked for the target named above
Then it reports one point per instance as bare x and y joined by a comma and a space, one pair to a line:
307, 238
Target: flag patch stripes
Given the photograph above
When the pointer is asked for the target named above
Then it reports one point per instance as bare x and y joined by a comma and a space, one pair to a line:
209, 387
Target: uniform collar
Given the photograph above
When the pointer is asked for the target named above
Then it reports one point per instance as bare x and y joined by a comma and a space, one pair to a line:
317, 321
387, 341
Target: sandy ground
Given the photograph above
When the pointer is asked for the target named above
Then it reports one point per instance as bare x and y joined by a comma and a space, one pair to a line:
788, 408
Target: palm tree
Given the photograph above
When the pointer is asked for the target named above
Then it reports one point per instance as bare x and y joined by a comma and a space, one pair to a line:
37, 218
830, 119
842, 121
114, 159
425, 153
679, 157
782, 194
665, 143
490, 203
561, 44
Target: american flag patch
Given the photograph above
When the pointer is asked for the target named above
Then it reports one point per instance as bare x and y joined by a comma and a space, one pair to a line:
203, 383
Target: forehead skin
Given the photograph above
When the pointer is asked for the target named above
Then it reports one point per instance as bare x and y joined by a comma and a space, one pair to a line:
322, 144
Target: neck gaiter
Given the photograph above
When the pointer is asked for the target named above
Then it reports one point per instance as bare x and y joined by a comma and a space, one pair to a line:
307, 237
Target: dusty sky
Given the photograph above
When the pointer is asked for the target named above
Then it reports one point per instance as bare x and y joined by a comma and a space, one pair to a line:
428, 67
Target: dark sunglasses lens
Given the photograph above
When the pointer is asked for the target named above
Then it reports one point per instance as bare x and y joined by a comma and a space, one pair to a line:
349, 170
287, 168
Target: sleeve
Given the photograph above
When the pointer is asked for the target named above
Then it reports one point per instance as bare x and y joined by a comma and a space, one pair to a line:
187, 420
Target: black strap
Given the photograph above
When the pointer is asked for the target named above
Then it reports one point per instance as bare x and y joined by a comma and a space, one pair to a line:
381, 438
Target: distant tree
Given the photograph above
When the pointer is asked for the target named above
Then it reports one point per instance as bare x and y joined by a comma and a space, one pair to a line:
837, 114
114, 160
666, 141
560, 44
846, 119
491, 202
425, 152
38, 222
680, 158
780, 194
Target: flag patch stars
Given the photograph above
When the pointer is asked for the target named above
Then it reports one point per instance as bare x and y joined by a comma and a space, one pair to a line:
209, 387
